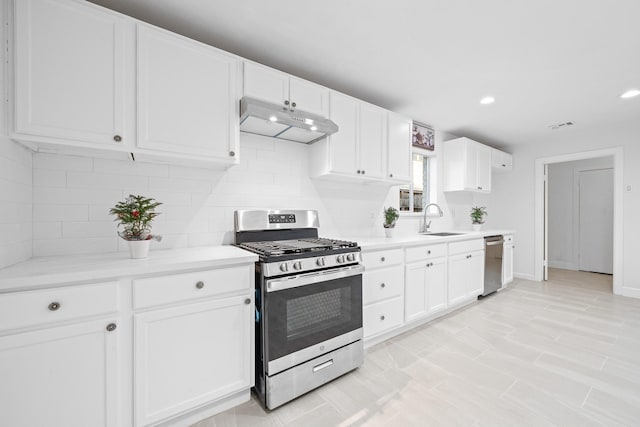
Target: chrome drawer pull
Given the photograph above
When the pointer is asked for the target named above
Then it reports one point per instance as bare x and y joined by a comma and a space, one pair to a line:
111, 327
200, 285
323, 365
54, 306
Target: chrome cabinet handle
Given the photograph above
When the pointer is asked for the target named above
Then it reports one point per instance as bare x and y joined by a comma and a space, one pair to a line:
232, 153
111, 327
293, 104
382, 317
54, 306
382, 259
117, 138
362, 172
358, 171
286, 102
390, 175
247, 301
382, 285
429, 252
200, 284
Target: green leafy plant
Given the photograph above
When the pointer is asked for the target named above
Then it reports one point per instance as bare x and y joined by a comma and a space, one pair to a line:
391, 215
135, 215
477, 214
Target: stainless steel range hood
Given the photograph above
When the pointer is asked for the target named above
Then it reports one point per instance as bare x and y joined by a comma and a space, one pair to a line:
264, 118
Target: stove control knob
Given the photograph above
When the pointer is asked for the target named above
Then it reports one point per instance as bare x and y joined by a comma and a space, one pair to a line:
297, 265
284, 267
351, 257
320, 262
340, 259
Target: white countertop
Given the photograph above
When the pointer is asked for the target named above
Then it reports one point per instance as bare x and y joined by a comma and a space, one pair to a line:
41, 272
373, 243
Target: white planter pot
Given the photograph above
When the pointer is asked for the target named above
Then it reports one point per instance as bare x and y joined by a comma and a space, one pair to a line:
476, 227
389, 232
138, 248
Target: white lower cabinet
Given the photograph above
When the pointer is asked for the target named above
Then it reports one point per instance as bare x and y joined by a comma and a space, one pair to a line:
466, 277
382, 291
191, 355
425, 288
61, 376
507, 259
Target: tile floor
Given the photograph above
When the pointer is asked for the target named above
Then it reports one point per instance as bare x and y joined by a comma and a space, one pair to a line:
564, 353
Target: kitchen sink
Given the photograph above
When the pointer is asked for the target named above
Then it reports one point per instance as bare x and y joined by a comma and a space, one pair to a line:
442, 234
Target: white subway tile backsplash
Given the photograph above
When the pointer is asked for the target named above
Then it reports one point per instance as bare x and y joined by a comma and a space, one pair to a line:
49, 178
62, 162
78, 230
106, 181
100, 213
77, 246
178, 184
119, 167
48, 230
47, 212
74, 196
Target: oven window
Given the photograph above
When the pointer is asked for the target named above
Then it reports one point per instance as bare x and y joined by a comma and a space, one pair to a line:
315, 312
304, 316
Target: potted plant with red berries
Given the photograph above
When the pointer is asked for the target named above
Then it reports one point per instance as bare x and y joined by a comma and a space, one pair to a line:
135, 215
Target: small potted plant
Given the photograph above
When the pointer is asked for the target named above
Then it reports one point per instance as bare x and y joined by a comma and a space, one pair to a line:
391, 215
135, 215
477, 216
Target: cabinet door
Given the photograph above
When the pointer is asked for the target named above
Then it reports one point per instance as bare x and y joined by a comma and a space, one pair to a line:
415, 305
398, 148
372, 141
65, 376
265, 83
188, 96
483, 168
507, 262
343, 145
475, 271
309, 97
190, 355
71, 86
458, 287
436, 284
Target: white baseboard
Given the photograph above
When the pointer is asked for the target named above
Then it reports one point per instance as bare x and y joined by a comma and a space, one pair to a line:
563, 265
524, 276
631, 292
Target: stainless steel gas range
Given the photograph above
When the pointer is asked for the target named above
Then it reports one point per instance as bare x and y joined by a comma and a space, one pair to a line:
308, 303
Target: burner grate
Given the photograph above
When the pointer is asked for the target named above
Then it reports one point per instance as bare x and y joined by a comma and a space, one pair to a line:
282, 247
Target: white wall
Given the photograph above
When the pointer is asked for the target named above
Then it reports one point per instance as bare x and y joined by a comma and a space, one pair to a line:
72, 196
563, 211
512, 198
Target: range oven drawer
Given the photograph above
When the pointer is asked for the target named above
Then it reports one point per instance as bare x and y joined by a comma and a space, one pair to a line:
305, 377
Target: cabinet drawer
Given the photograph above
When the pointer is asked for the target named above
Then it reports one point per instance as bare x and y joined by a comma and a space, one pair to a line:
383, 315
420, 253
382, 284
466, 246
382, 258
189, 286
22, 309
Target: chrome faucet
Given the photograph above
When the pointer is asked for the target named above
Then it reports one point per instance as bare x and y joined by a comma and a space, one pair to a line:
425, 228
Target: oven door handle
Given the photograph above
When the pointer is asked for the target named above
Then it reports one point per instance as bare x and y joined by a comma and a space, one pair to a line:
280, 284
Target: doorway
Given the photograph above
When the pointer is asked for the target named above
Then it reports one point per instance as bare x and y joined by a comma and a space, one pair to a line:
541, 242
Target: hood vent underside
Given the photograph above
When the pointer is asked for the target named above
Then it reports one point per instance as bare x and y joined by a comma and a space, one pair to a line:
264, 118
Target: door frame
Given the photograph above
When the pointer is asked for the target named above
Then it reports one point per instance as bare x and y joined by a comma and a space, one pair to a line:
539, 226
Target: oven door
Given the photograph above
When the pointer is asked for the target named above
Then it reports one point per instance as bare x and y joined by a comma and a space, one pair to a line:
311, 314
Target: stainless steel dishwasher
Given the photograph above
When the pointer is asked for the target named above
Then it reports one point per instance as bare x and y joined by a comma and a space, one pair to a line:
492, 264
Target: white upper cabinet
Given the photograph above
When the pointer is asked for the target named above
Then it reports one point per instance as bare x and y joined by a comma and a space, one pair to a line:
73, 75
467, 166
501, 161
358, 149
188, 94
398, 148
280, 88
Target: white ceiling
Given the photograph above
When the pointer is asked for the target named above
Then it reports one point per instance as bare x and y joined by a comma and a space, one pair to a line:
545, 61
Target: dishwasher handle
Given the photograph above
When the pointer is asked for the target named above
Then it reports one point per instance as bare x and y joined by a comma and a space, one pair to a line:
494, 243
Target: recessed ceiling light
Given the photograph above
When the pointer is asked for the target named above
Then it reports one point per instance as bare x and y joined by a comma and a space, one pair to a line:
273, 119
487, 100
630, 93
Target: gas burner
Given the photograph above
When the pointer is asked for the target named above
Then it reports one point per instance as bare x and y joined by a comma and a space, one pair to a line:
285, 247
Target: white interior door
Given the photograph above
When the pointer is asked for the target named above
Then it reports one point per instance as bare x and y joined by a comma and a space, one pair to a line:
596, 220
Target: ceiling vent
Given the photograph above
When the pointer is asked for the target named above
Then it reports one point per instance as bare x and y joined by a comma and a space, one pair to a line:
561, 125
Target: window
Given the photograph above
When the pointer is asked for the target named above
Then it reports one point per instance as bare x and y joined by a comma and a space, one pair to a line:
417, 195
